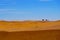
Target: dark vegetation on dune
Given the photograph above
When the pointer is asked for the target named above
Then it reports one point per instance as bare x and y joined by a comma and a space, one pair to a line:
31, 35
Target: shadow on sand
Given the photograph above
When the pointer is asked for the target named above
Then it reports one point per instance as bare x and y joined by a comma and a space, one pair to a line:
31, 35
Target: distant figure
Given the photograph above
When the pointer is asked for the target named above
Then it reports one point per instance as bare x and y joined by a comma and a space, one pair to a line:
46, 20
42, 19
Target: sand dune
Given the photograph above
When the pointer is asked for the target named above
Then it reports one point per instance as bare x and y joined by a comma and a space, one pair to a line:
29, 30
31, 35
28, 25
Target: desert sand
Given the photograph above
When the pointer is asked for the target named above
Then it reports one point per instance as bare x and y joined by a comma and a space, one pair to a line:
29, 30
28, 25
31, 35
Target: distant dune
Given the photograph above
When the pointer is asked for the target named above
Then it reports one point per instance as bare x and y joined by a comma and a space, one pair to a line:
29, 25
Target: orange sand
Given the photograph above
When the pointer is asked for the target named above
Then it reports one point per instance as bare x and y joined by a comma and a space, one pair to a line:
28, 25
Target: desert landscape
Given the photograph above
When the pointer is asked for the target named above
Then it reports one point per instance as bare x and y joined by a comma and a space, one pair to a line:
29, 19
28, 25
29, 30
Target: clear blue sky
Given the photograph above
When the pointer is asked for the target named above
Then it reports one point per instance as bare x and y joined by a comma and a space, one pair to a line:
29, 9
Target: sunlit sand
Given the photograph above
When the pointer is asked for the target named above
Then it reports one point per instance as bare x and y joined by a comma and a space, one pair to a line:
28, 25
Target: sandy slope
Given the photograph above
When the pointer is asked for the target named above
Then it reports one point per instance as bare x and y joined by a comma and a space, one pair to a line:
28, 25
29, 30
31, 35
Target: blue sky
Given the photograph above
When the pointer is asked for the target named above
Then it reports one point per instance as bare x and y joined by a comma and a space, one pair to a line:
29, 9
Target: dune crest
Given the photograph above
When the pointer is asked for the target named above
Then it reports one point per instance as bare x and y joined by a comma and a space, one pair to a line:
28, 25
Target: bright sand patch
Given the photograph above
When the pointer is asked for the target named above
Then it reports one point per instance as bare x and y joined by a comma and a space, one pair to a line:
28, 25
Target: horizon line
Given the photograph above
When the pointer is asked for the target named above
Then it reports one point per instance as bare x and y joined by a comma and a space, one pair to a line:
31, 20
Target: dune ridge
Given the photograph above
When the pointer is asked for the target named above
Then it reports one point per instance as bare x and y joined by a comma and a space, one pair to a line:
29, 25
